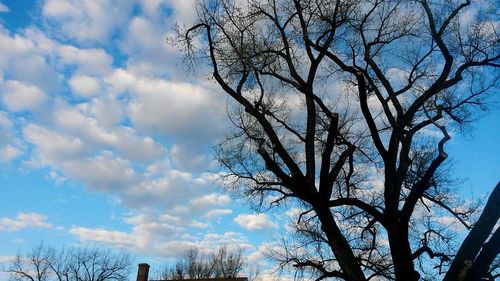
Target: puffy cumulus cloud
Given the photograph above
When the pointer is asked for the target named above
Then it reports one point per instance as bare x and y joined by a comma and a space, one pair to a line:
256, 257
397, 76
184, 111
184, 10
9, 143
171, 188
107, 110
9, 152
18, 96
53, 148
23, 221
142, 40
77, 158
451, 223
232, 239
16, 45
115, 238
21, 58
7, 259
89, 61
187, 113
3, 8
188, 159
31, 57
80, 122
294, 213
84, 86
215, 213
87, 21
163, 235
211, 200
6, 127
121, 80
255, 221
103, 173
115, 160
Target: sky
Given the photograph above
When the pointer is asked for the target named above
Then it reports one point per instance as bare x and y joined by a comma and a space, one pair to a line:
106, 140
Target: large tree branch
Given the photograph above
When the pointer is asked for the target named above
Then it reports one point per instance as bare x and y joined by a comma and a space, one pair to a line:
489, 252
370, 121
445, 72
325, 184
319, 267
369, 209
477, 236
249, 107
422, 185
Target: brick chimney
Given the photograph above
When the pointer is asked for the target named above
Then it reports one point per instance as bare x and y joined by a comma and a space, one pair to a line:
143, 272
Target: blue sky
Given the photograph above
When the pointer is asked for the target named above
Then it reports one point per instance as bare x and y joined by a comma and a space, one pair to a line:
105, 140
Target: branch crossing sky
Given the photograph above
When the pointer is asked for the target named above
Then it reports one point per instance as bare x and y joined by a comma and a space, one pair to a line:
105, 140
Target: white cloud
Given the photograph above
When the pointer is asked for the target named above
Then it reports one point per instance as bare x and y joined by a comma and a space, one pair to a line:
169, 188
19, 96
87, 20
143, 37
187, 112
211, 200
162, 236
217, 213
91, 61
101, 138
255, 221
79, 122
107, 110
53, 147
7, 259
451, 223
84, 86
24, 220
103, 172
6, 127
8, 153
188, 159
184, 10
23, 59
9, 143
3, 8
116, 238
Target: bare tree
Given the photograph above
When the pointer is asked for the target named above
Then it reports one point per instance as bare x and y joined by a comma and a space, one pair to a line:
223, 263
343, 108
84, 264
35, 266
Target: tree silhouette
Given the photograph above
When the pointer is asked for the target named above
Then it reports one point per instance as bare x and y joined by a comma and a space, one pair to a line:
343, 108
45, 263
224, 263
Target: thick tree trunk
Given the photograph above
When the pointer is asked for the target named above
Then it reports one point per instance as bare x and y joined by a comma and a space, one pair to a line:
466, 255
485, 258
339, 245
401, 253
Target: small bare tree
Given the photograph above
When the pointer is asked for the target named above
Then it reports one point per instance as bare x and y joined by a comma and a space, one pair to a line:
223, 263
343, 108
36, 266
85, 264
